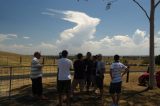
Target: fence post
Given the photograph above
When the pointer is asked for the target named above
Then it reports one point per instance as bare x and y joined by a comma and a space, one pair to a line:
10, 82
20, 60
127, 79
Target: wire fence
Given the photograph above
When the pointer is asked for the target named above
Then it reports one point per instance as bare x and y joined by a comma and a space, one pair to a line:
13, 78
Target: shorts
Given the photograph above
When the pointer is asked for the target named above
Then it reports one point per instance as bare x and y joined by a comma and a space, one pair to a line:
64, 86
115, 88
99, 82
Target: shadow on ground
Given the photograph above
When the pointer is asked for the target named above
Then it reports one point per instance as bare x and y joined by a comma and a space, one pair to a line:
129, 98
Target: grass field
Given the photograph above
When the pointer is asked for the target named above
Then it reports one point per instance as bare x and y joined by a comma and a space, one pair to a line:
132, 95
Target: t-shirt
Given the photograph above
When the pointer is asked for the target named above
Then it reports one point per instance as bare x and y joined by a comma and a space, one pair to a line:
116, 69
64, 66
100, 69
79, 69
36, 68
88, 66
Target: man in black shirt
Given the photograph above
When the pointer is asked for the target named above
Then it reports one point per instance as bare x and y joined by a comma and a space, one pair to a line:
88, 70
79, 73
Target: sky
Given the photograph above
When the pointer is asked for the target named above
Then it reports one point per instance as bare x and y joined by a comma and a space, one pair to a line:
50, 26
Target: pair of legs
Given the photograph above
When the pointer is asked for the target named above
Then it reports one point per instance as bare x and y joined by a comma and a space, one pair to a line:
115, 98
115, 90
77, 82
37, 87
88, 82
64, 88
99, 84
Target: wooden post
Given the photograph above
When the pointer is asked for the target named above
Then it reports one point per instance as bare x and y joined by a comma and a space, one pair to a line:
127, 79
10, 82
20, 60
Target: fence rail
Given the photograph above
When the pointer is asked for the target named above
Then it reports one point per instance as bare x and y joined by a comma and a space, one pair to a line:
14, 77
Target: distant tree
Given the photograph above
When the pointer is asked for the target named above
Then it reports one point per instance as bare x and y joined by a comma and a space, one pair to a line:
157, 60
150, 16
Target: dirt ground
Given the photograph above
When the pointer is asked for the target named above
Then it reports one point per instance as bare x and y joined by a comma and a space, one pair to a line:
132, 95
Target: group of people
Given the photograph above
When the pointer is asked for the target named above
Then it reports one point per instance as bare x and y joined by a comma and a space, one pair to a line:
88, 72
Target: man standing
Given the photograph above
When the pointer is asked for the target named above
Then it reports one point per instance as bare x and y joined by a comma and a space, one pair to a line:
88, 69
79, 73
64, 77
100, 70
36, 77
116, 79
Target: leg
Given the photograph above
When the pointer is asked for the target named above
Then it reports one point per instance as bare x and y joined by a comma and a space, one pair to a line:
81, 85
118, 97
39, 86
74, 85
34, 92
60, 99
88, 82
68, 91
113, 98
68, 99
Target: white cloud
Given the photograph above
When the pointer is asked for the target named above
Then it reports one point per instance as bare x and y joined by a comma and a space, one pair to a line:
47, 45
4, 37
12, 35
82, 38
159, 33
139, 36
26, 37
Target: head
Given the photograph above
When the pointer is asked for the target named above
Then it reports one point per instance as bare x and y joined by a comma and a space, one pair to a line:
99, 57
88, 55
79, 56
116, 57
94, 57
37, 55
64, 53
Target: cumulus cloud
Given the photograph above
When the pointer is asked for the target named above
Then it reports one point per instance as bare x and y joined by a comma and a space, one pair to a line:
82, 38
159, 33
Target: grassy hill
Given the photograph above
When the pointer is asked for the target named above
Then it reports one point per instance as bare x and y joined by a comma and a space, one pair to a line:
3, 53
9, 58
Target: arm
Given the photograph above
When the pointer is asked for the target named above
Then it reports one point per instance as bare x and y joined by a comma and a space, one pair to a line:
36, 64
126, 70
111, 74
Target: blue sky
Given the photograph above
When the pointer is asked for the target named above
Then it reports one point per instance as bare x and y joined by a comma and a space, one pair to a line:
50, 26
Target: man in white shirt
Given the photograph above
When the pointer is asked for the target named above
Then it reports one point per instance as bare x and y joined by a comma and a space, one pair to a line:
116, 79
64, 77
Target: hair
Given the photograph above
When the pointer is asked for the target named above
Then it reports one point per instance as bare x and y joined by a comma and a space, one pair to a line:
79, 55
89, 54
37, 53
99, 55
64, 53
116, 57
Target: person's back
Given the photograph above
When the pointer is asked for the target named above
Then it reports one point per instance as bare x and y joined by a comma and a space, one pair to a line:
116, 68
116, 79
36, 68
64, 77
79, 69
64, 66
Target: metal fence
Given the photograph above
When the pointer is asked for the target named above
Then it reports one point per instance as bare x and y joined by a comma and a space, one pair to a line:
13, 78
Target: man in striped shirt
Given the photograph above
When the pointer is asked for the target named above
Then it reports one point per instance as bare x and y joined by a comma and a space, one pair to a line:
36, 77
116, 79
